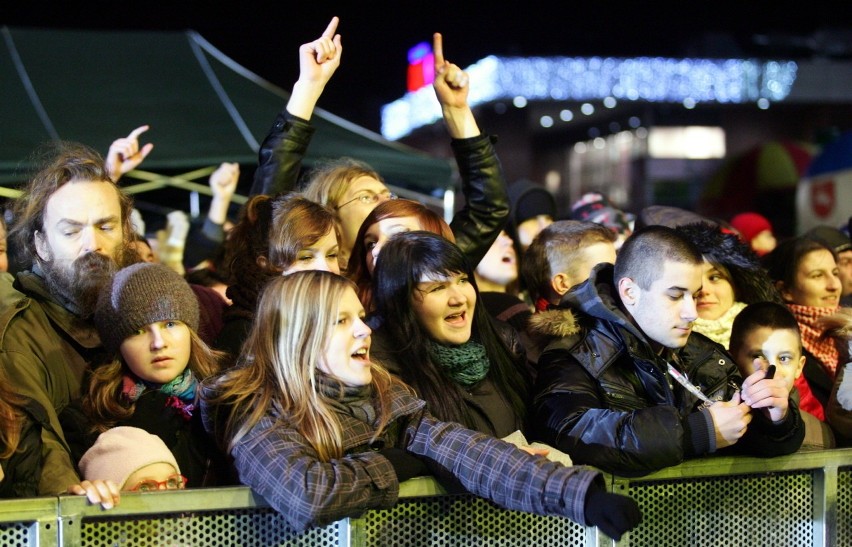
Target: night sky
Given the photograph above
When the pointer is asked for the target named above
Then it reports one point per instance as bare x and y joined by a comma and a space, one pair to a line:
265, 36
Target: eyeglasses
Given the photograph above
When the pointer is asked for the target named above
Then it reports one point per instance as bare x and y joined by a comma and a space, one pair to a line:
174, 482
369, 197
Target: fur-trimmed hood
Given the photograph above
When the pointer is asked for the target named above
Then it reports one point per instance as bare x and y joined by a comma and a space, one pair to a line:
591, 300
558, 322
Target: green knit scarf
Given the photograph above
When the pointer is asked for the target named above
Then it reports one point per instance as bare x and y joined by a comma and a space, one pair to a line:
466, 364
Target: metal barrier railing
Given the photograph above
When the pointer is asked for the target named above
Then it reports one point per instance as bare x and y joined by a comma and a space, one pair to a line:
802, 499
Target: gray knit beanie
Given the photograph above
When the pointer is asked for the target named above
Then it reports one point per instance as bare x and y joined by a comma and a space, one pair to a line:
139, 295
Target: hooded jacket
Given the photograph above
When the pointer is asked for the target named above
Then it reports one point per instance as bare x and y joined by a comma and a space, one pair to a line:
45, 351
604, 397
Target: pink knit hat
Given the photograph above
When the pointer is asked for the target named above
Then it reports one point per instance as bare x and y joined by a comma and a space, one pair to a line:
121, 451
749, 225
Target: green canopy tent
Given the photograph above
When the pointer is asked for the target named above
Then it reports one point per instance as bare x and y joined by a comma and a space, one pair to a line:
203, 109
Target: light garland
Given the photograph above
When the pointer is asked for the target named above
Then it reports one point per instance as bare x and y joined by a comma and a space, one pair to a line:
651, 79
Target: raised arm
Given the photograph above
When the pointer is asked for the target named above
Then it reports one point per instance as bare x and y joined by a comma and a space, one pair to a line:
486, 202
451, 88
318, 60
124, 154
223, 184
280, 156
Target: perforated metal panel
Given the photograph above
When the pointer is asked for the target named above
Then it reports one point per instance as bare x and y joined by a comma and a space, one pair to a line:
465, 520
801, 499
18, 534
844, 506
771, 509
262, 527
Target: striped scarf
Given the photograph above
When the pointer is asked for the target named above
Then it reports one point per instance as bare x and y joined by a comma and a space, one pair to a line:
824, 349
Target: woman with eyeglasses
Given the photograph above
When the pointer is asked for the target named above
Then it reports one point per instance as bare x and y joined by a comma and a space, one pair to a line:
351, 188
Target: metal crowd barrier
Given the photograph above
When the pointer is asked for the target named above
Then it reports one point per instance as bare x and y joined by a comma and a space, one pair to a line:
802, 499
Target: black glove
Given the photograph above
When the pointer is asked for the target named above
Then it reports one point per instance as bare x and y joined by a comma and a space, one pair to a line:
406, 465
612, 513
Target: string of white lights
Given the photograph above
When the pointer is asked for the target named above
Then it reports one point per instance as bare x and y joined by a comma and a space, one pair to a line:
685, 81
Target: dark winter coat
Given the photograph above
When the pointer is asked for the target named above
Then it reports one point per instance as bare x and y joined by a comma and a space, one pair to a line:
604, 397
487, 409
22, 470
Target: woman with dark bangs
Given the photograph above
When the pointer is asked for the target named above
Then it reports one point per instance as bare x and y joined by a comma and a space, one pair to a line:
432, 334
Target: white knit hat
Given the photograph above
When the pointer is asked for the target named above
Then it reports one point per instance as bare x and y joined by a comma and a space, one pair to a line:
121, 451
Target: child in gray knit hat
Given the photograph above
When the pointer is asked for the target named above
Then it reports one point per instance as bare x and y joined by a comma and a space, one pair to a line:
147, 318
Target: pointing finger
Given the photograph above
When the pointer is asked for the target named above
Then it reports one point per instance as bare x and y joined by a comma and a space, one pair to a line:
332, 27
438, 49
138, 131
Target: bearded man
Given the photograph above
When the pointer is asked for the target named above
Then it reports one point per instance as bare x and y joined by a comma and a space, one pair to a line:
73, 225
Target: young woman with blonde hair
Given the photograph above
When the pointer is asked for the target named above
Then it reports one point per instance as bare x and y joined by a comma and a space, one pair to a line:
322, 433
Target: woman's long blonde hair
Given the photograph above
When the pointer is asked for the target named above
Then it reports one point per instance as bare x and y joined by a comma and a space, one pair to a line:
278, 368
102, 402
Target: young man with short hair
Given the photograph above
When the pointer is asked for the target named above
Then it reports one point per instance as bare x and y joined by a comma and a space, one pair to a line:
632, 390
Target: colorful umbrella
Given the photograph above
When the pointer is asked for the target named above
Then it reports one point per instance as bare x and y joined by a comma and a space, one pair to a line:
763, 179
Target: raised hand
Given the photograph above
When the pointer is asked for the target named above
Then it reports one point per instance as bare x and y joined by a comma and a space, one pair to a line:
125, 155
223, 184
730, 420
451, 88
223, 181
451, 82
318, 60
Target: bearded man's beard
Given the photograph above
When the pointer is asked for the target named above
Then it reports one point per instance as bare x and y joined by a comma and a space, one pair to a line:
80, 284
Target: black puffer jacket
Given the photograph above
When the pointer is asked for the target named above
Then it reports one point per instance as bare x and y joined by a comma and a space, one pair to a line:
603, 395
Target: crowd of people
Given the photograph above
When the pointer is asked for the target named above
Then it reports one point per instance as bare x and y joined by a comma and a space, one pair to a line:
336, 340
